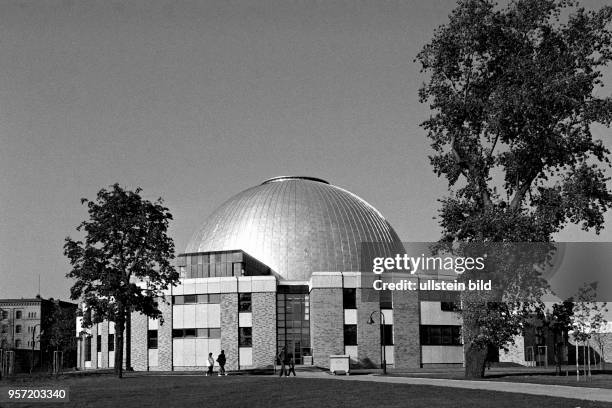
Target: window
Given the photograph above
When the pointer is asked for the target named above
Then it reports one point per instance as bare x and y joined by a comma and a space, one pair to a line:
17, 343
448, 306
18, 314
152, 339
99, 343
245, 336
388, 334
386, 299
244, 302
4, 314
349, 298
4, 328
87, 348
18, 328
111, 342
350, 334
440, 335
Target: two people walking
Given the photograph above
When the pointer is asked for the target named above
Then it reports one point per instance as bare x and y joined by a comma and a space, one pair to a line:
210, 363
287, 362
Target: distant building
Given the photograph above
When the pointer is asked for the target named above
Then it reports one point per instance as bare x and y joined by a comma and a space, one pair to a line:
21, 323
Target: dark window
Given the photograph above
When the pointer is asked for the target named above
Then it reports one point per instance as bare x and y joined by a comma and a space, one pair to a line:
189, 333
350, 334
111, 342
17, 343
99, 343
388, 334
4, 328
18, 314
87, 348
386, 299
189, 299
152, 339
244, 302
440, 335
349, 298
177, 333
245, 337
449, 306
18, 328
4, 314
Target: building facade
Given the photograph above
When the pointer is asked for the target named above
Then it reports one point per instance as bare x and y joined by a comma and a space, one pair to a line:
21, 323
277, 265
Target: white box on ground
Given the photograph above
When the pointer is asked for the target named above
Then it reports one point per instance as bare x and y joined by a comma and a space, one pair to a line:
339, 364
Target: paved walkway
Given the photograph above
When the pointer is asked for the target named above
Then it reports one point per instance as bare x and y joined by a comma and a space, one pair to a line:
561, 391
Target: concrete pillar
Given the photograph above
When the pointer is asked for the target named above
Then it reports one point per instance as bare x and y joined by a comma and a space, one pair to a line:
264, 328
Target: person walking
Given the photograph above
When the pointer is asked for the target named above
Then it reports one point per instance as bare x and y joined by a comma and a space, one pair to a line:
291, 365
210, 364
221, 360
282, 357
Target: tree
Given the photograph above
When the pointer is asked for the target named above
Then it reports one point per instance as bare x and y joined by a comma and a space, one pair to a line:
559, 322
124, 262
58, 332
513, 95
588, 318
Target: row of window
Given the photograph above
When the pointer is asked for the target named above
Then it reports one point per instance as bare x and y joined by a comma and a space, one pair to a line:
349, 299
18, 315
207, 333
244, 300
440, 335
211, 298
350, 334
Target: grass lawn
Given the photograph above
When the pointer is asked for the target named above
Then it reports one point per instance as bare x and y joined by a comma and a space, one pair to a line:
267, 391
596, 381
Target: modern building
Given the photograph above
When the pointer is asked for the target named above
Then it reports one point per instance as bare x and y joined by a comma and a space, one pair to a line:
21, 323
279, 264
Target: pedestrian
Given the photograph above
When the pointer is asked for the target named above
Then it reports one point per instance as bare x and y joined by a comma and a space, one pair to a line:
291, 365
221, 360
210, 364
282, 358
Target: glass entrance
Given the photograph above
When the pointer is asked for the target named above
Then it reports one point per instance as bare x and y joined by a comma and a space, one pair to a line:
293, 321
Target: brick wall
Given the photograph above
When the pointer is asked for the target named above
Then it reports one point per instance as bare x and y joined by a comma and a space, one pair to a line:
229, 329
138, 345
326, 324
368, 335
264, 328
406, 323
94, 346
164, 335
103, 331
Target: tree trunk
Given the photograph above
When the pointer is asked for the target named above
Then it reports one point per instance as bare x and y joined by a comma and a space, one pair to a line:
475, 359
128, 341
589, 358
577, 366
119, 331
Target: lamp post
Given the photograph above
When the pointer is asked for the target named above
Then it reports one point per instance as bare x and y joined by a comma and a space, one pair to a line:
382, 335
33, 343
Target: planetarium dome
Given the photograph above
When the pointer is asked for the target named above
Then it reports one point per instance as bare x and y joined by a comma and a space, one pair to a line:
297, 226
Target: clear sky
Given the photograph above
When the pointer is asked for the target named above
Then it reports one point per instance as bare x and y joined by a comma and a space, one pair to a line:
195, 101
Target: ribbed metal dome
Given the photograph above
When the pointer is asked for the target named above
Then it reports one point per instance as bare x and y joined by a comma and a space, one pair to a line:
296, 226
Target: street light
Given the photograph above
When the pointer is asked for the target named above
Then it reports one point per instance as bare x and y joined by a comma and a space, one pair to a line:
382, 334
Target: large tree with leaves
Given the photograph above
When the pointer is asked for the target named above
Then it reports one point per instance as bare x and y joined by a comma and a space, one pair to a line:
123, 265
514, 92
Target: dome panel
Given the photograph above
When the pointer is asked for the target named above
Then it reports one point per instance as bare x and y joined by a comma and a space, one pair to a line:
296, 226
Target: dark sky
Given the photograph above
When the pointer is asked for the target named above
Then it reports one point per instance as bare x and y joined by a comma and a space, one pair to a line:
196, 101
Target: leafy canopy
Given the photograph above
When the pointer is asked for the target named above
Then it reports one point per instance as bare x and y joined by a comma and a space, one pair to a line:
125, 260
514, 95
